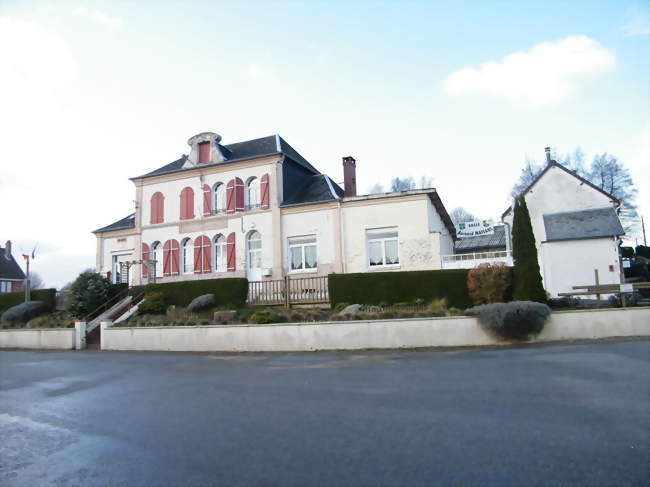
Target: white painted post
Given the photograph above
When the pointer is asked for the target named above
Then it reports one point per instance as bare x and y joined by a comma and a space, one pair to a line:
79, 335
102, 326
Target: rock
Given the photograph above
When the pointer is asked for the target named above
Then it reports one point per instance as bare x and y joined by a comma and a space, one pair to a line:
224, 316
352, 309
202, 302
24, 312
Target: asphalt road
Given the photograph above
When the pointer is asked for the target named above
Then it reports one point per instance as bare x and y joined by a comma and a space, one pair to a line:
575, 414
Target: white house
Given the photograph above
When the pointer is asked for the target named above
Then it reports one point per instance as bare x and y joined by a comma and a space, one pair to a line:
576, 229
258, 209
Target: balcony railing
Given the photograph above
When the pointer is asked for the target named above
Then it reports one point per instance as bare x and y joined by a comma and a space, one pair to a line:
469, 261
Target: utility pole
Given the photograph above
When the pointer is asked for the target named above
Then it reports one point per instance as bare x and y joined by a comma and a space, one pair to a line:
27, 286
643, 228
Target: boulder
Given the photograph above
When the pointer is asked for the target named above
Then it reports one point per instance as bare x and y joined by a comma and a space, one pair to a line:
201, 303
224, 316
24, 312
352, 309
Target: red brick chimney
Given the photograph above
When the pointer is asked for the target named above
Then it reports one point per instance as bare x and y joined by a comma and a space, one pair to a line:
349, 176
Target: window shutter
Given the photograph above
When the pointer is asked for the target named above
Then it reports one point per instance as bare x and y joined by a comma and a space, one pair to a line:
187, 203
206, 252
204, 152
230, 251
264, 190
230, 196
157, 212
167, 258
174, 253
160, 213
198, 256
207, 200
145, 256
239, 194
154, 209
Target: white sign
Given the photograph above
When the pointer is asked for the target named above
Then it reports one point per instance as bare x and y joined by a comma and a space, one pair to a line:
474, 229
627, 288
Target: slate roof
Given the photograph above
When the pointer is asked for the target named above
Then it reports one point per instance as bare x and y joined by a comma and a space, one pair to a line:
585, 224
9, 268
317, 189
496, 240
123, 224
240, 151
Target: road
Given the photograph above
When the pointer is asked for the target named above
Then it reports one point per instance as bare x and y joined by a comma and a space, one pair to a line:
569, 414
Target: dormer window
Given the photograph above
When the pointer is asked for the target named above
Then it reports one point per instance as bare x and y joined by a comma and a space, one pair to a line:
204, 152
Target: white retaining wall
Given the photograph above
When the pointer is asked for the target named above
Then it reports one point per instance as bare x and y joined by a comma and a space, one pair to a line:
41, 338
459, 331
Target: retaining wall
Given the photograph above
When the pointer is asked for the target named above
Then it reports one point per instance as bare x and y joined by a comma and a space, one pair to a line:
459, 331
39, 338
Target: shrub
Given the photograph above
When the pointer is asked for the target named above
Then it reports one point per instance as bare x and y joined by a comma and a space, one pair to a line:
384, 288
643, 251
340, 306
23, 312
627, 252
88, 292
201, 303
517, 320
154, 303
47, 296
527, 278
230, 292
266, 316
488, 282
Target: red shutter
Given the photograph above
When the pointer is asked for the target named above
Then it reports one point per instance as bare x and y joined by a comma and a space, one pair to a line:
201, 255
157, 211
198, 256
145, 256
187, 203
230, 252
174, 253
206, 251
230, 196
204, 152
207, 200
167, 258
264, 189
239, 194
160, 213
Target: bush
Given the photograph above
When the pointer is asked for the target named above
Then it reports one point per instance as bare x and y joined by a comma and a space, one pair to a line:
266, 316
230, 292
643, 251
201, 303
394, 287
489, 282
47, 296
154, 304
23, 312
627, 252
87, 293
517, 320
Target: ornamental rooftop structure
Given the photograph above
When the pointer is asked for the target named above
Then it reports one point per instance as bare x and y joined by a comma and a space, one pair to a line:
258, 209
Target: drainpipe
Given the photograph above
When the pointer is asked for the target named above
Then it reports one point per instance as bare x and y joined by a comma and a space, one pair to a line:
341, 239
508, 235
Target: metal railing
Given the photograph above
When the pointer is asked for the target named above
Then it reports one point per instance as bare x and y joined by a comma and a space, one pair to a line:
289, 291
501, 254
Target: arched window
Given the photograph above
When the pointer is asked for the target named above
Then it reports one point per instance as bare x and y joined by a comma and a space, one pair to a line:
219, 204
252, 193
254, 245
219, 255
187, 204
157, 213
156, 254
186, 256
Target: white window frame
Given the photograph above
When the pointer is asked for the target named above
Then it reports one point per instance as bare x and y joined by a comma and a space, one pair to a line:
187, 251
219, 189
5, 286
377, 235
253, 188
157, 255
219, 265
250, 252
302, 242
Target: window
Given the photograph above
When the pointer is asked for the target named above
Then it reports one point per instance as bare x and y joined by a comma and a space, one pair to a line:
204, 152
219, 255
5, 286
186, 256
302, 253
383, 247
116, 275
253, 193
219, 204
254, 250
156, 254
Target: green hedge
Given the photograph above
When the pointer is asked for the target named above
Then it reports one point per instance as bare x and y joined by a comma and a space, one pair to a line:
48, 296
396, 287
231, 292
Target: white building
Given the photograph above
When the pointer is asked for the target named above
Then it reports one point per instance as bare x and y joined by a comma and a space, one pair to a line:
258, 209
576, 229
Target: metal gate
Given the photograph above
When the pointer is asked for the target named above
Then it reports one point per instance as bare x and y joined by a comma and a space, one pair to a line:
288, 291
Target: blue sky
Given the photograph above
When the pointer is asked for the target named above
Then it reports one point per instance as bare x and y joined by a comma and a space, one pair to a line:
97, 92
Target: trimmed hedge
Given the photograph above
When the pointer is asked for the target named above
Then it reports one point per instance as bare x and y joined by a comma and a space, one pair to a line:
396, 287
230, 292
47, 296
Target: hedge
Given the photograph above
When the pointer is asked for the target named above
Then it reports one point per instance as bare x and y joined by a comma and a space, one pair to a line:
48, 296
230, 292
397, 287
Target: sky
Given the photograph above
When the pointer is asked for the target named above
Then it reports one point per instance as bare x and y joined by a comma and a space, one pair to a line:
93, 93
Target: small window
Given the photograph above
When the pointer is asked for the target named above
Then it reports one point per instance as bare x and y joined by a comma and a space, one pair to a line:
219, 205
219, 254
187, 255
5, 286
254, 250
252, 193
383, 247
302, 253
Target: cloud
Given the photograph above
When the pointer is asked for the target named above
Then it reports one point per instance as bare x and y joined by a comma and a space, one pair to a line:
638, 24
97, 16
546, 73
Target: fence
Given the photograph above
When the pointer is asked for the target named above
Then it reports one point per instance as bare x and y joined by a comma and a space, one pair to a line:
288, 291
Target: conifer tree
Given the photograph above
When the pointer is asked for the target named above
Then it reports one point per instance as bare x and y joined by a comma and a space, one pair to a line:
528, 280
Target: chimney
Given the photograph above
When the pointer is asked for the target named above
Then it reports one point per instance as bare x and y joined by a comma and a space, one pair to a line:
548, 154
349, 176
8, 250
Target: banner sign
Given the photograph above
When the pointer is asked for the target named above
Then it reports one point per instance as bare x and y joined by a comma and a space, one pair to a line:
474, 229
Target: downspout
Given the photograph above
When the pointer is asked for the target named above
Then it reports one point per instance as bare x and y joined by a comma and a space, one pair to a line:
508, 237
341, 239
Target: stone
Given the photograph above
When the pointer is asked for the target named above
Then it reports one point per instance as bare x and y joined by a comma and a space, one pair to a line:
24, 312
224, 316
352, 309
201, 303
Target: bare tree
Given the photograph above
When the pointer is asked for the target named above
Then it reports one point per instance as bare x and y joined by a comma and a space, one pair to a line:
36, 281
402, 184
377, 188
611, 176
461, 215
528, 174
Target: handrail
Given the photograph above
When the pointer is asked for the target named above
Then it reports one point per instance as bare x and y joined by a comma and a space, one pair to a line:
118, 297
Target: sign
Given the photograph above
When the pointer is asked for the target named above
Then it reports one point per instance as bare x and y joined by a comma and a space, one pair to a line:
627, 288
474, 229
